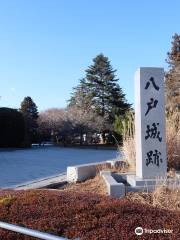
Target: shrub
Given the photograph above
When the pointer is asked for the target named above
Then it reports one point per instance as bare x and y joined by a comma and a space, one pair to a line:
87, 216
129, 152
125, 126
11, 128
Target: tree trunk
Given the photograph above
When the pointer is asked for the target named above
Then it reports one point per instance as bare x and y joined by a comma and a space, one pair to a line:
81, 138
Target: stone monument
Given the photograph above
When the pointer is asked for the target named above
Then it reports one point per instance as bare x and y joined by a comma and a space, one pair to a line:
150, 136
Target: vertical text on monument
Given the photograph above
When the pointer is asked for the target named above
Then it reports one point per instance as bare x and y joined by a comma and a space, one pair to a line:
150, 123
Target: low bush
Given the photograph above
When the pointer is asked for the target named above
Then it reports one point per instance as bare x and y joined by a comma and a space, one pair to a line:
87, 216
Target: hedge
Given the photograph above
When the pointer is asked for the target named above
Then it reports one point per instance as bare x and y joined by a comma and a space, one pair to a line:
12, 128
87, 216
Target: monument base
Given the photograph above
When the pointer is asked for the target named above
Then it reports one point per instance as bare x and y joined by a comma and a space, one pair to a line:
136, 181
120, 184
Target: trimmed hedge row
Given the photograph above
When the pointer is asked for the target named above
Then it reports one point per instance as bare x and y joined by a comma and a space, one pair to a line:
87, 216
12, 128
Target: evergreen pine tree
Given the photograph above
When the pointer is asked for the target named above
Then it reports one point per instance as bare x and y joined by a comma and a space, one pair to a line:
100, 90
81, 96
30, 113
107, 96
99, 93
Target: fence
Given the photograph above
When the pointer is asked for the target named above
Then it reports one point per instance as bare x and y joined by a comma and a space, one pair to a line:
30, 232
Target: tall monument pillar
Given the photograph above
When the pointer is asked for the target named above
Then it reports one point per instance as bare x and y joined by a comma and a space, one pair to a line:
150, 123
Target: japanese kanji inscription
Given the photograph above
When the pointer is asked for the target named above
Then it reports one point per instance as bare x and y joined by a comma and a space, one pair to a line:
150, 123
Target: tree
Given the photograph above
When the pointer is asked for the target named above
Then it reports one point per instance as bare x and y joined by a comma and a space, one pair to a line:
107, 96
173, 76
100, 92
81, 97
174, 55
83, 121
50, 122
12, 128
30, 112
124, 126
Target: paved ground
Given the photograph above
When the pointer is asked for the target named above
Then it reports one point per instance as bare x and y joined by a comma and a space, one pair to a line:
41, 183
19, 166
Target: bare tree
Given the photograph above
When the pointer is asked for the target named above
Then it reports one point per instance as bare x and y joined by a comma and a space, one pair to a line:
51, 121
84, 121
68, 125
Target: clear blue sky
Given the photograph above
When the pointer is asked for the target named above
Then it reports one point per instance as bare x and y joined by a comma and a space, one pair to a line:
45, 45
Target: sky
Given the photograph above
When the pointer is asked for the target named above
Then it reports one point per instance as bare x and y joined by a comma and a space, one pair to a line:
46, 45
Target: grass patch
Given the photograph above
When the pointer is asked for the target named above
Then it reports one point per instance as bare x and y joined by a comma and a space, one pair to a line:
95, 185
